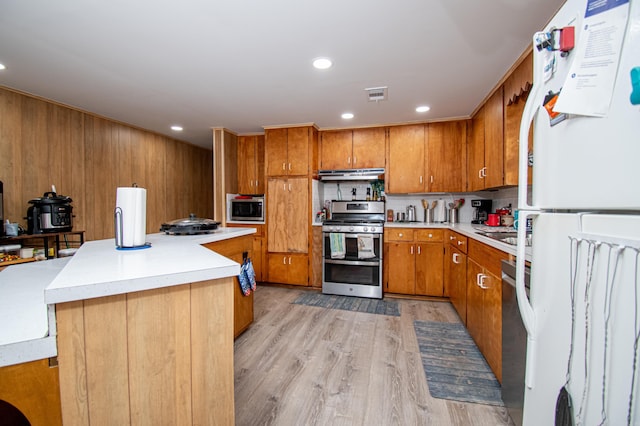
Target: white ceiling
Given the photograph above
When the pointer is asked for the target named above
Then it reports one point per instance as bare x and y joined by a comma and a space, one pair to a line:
245, 64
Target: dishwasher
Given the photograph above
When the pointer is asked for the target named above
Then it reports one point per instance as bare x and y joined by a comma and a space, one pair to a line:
514, 343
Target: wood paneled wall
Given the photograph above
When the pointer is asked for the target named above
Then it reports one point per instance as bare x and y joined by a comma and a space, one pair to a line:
87, 157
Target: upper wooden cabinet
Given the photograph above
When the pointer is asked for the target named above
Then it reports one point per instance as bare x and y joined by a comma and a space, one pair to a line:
427, 158
287, 151
486, 147
352, 149
251, 164
406, 159
516, 91
446, 157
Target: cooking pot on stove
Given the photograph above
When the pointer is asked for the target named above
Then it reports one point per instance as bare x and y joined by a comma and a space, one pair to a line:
49, 213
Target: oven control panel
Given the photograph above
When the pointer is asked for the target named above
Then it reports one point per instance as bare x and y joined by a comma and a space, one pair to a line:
364, 229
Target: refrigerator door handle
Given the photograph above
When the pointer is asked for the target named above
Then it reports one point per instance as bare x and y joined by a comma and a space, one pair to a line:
531, 107
526, 309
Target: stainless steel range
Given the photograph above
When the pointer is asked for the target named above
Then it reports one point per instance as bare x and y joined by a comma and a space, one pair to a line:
352, 249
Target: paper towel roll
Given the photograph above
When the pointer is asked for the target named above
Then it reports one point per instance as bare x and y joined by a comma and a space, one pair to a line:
131, 204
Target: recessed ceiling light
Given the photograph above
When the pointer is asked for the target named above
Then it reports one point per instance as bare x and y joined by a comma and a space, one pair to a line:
176, 128
423, 108
2, 67
347, 116
322, 63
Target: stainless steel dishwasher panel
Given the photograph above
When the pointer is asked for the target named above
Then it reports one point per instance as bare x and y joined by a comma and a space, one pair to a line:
514, 344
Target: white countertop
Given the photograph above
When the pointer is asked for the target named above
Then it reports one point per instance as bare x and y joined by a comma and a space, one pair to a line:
27, 323
468, 230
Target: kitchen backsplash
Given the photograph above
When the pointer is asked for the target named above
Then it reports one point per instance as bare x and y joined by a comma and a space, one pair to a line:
398, 203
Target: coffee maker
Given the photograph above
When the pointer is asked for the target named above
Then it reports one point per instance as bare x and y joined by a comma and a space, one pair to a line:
481, 210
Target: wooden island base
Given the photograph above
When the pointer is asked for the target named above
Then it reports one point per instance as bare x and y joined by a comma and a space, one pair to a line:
162, 356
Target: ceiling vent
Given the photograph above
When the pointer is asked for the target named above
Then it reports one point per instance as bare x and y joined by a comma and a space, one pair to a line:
375, 94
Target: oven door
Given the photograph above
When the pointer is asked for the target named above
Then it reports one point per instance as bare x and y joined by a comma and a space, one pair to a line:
351, 269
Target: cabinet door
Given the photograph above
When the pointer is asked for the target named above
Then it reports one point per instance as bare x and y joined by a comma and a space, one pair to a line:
430, 269
446, 154
336, 150
276, 152
368, 148
277, 268
277, 215
298, 269
296, 218
298, 151
494, 141
492, 323
246, 165
259, 187
475, 303
475, 153
406, 165
401, 266
458, 282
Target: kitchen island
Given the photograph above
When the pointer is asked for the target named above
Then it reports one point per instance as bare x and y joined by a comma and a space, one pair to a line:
143, 336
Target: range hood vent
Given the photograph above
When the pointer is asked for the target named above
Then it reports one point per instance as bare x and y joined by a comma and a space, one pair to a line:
351, 175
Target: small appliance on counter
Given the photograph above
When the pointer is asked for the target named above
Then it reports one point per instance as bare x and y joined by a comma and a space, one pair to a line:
481, 210
49, 213
190, 226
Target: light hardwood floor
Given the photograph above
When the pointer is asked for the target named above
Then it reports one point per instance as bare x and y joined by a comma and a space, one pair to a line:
302, 365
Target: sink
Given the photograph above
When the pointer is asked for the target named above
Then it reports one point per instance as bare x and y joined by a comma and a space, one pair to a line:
505, 237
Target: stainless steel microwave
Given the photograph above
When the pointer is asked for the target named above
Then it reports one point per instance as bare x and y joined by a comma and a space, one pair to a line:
247, 209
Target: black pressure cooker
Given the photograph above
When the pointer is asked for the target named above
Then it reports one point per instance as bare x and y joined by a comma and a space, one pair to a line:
50, 213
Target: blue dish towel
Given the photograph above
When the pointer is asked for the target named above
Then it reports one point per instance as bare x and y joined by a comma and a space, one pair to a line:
337, 244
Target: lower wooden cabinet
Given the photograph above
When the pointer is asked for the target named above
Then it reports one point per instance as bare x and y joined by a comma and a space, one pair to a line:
484, 302
457, 279
288, 268
235, 249
414, 261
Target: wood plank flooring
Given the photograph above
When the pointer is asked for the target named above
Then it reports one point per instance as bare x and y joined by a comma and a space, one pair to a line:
302, 365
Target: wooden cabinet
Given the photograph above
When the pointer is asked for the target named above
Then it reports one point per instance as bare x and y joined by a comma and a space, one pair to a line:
406, 159
288, 268
446, 157
235, 249
251, 164
353, 149
258, 251
288, 215
288, 230
414, 261
486, 147
516, 91
287, 151
427, 158
484, 302
456, 272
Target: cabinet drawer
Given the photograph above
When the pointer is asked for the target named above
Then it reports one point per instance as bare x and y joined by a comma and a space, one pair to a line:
398, 234
457, 240
486, 256
428, 235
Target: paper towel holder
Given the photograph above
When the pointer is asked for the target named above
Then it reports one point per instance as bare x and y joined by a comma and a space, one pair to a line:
119, 239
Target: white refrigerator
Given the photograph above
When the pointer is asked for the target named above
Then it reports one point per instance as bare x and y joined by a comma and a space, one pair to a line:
583, 313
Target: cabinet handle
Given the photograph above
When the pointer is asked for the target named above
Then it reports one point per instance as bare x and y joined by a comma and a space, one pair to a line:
480, 173
411, 249
348, 160
256, 183
420, 179
460, 243
480, 281
289, 260
430, 235
284, 260
431, 179
400, 235
451, 237
355, 160
455, 258
284, 166
289, 166
284, 186
289, 187
419, 250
